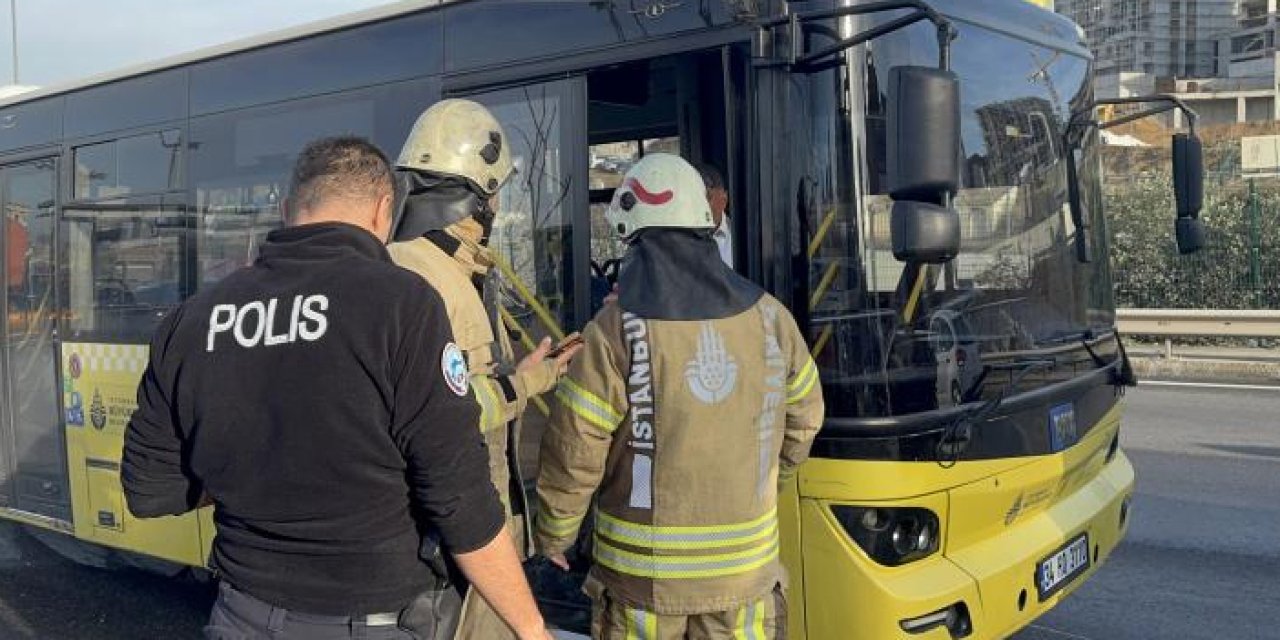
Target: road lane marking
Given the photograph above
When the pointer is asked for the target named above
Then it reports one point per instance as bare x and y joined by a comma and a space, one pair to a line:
1208, 385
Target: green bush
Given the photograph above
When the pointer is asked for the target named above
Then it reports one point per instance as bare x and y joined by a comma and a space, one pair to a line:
1239, 269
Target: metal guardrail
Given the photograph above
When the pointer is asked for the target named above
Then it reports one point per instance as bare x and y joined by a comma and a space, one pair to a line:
1199, 322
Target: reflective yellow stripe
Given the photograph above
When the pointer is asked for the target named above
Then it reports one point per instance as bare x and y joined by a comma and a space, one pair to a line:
686, 538
803, 383
588, 406
757, 621
750, 622
557, 527
490, 408
641, 625
677, 567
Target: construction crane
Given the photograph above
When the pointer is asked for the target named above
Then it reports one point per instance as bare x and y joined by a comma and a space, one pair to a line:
1041, 76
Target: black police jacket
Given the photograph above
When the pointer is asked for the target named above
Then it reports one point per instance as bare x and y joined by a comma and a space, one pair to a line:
317, 397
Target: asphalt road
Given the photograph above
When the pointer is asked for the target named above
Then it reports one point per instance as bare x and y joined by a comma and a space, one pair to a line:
1202, 558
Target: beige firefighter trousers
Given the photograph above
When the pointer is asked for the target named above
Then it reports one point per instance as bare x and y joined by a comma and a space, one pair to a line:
765, 619
480, 622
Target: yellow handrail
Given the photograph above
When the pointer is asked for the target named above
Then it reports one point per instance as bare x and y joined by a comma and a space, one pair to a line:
828, 279
539, 309
823, 230
525, 340
821, 342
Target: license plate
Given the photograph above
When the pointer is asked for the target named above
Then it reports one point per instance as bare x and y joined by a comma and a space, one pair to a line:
1063, 433
1066, 564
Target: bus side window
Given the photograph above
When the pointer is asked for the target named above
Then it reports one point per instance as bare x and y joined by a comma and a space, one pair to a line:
124, 262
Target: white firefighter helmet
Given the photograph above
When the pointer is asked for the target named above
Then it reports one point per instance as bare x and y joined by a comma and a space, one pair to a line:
662, 190
461, 139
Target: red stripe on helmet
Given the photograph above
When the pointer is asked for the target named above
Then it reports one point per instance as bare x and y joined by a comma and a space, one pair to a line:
643, 195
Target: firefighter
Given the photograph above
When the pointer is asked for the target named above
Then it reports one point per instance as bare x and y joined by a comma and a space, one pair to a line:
450, 169
694, 399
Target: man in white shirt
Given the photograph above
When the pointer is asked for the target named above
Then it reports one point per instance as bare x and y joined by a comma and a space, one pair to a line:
718, 197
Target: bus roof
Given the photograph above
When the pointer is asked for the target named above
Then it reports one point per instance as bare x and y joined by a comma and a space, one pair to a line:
336, 23
1015, 17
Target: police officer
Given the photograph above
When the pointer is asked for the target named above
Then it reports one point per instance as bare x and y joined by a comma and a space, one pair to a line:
456, 159
318, 400
694, 398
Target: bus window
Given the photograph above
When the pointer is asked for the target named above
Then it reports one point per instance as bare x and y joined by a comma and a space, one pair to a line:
241, 165
149, 163
124, 268
1015, 287
241, 161
532, 233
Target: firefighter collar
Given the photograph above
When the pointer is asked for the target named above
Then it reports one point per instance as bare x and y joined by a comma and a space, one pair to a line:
474, 260
677, 274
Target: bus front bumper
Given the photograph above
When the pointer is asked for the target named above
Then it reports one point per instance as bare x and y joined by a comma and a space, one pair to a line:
988, 587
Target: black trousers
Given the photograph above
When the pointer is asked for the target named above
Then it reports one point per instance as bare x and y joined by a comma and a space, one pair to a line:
239, 616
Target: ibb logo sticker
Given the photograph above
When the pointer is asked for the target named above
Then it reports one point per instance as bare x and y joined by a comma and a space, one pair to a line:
454, 368
98, 412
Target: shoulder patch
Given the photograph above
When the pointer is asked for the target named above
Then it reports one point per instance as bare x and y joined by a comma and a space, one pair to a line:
454, 367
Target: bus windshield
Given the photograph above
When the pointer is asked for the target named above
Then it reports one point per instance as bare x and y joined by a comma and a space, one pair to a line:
1018, 309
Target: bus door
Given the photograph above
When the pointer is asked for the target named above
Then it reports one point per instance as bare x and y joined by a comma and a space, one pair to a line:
533, 235
540, 206
691, 105
33, 477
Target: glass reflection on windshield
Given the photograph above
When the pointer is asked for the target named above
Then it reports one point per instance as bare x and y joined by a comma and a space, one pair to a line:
896, 341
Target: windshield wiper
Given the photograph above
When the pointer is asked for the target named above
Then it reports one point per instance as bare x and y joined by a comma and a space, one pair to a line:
959, 433
1087, 336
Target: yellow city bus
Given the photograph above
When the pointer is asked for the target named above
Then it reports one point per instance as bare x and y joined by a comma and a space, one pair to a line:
969, 475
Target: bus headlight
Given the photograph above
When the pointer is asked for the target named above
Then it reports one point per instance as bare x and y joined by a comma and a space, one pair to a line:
893, 536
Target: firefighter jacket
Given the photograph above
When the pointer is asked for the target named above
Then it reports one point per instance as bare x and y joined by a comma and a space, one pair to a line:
501, 392
686, 428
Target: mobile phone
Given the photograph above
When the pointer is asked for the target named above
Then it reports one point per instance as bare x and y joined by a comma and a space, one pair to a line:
569, 342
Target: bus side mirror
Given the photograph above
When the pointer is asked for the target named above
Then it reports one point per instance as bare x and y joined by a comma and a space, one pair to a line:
924, 134
924, 232
1188, 189
924, 163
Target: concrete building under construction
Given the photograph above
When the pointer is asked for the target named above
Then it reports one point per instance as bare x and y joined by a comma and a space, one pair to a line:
1137, 41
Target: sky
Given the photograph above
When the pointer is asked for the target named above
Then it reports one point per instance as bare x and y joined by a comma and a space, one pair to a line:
62, 40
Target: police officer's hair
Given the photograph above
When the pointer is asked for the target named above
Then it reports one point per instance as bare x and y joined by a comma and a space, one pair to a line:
341, 166
710, 176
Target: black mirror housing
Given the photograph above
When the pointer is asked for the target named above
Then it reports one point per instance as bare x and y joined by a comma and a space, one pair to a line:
1188, 175
924, 232
1084, 248
924, 134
